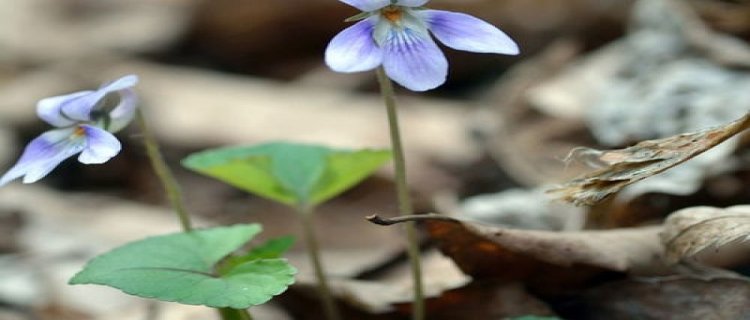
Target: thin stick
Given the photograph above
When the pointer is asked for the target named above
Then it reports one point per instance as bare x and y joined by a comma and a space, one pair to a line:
376, 219
402, 190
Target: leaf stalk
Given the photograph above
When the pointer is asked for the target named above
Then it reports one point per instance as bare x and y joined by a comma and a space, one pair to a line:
313, 248
165, 175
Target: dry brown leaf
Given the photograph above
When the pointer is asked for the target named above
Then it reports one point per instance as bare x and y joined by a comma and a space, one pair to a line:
718, 46
545, 260
623, 167
485, 300
689, 231
673, 298
386, 291
477, 300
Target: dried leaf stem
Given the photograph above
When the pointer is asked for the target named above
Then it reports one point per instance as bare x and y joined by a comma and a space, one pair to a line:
376, 219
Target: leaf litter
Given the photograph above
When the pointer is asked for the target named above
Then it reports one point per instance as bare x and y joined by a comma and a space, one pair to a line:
623, 167
690, 231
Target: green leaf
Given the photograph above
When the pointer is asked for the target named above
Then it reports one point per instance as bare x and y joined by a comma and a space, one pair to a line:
245, 168
289, 173
346, 169
180, 268
271, 249
298, 167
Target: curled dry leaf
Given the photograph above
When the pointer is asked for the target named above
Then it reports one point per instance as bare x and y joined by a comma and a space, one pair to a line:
623, 167
545, 260
689, 231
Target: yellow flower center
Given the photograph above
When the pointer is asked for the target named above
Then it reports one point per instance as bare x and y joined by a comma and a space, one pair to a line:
392, 14
79, 132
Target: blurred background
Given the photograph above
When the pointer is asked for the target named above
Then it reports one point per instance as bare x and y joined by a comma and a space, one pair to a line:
596, 73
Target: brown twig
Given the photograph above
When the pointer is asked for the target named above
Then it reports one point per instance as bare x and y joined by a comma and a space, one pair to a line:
376, 219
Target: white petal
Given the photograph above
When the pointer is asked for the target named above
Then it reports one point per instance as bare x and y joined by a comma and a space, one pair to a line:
464, 32
413, 60
50, 109
124, 82
43, 154
100, 146
354, 49
80, 109
124, 112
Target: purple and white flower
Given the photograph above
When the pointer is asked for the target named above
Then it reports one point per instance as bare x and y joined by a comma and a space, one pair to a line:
396, 35
85, 122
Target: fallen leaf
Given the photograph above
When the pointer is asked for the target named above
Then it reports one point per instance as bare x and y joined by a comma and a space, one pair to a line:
387, 291
690, 231
680, 298
623, 167
544, 260
486, 300
449, 295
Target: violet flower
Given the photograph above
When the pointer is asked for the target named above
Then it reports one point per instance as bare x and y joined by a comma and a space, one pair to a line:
396, 35
85, 122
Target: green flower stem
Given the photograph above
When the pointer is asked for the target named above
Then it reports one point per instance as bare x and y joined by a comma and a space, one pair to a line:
234, 314
402, 190
163, 172
329, 304
174, 192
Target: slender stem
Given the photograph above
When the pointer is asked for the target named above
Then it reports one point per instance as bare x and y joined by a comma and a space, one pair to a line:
174, 193
234, 314
402, 190
329, 304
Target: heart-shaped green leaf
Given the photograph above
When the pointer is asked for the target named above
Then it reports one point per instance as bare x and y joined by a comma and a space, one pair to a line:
180, 268
289, 173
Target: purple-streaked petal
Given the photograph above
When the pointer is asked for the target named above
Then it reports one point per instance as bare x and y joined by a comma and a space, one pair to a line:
50, 109
124, 82
354, 49
413, 60
43, 154
367, 5
412, 3
124, 112
100, 146
464, 32
80, 109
